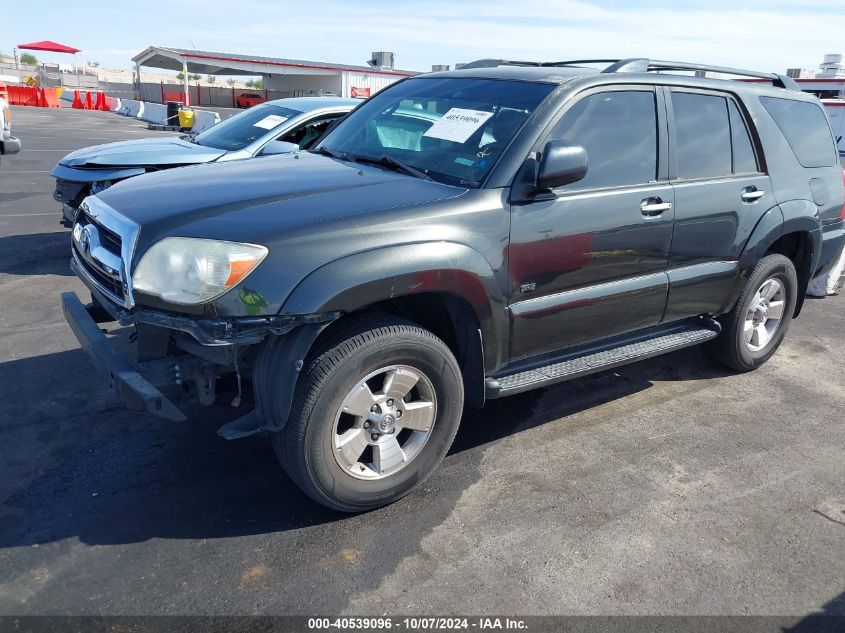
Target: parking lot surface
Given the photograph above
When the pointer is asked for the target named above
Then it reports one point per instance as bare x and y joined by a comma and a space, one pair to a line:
666, 487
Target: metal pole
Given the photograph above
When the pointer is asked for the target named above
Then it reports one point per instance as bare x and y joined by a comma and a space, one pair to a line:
187, 101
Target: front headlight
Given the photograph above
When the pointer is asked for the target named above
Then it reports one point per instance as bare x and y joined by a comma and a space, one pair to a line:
189, 271
100, 185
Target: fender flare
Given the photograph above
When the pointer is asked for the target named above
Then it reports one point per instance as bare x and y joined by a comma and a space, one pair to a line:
795, 216
356, 281
766, 232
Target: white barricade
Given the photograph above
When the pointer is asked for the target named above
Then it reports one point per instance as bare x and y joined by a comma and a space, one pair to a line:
204, 119
132, 108
154, 113
114, 104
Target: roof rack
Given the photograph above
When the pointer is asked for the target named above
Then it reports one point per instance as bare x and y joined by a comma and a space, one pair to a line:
780, 81
493, 63
642, 65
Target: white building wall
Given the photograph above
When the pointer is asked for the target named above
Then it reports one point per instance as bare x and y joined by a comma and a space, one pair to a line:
364, 80
305, 85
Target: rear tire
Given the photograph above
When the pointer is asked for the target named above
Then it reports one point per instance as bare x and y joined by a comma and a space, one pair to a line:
325, 446
754, 329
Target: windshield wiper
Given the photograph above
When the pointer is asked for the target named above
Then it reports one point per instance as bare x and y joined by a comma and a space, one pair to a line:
325, 151
392, 163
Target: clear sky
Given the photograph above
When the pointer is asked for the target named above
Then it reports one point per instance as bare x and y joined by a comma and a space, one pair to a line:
759, 34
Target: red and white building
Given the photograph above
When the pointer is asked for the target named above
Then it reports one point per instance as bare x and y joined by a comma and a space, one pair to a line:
295, 76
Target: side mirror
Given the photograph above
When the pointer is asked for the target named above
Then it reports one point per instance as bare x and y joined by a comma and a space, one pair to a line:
561, 164
279, 147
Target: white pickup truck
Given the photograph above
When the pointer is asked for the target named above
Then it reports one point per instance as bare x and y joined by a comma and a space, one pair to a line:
8, 143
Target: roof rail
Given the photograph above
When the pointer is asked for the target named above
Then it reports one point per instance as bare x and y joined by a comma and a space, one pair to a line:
641, 65
493, 63
780, 81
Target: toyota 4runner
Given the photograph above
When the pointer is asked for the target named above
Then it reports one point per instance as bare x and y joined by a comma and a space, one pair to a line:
460, 237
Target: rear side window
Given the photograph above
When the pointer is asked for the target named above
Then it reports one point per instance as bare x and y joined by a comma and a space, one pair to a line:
619, 131
702, 135
744, 159
806, 129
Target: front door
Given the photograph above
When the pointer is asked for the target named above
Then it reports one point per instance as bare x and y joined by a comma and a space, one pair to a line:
591, 261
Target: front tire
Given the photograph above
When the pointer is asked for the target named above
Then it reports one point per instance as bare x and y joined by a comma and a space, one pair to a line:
375, 410
755, 328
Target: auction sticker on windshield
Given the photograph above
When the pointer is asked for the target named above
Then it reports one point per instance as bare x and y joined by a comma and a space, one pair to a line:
270, 121
458, 124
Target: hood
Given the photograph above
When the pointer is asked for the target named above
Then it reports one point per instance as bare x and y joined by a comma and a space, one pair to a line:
256, 199
169, 150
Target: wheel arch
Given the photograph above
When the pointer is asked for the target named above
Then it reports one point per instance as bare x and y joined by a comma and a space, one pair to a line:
452, 319
388, 278
793, 230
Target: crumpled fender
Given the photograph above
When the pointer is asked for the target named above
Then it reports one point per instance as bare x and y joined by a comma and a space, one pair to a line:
92, 175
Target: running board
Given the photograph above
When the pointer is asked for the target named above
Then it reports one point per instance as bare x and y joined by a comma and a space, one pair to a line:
621, 351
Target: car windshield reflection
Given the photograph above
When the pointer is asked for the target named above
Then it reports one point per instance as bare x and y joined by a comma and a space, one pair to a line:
242, 129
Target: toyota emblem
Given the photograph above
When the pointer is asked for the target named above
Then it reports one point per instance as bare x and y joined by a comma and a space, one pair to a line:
85, 241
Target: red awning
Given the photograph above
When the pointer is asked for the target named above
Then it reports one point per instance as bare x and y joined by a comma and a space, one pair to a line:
47, 45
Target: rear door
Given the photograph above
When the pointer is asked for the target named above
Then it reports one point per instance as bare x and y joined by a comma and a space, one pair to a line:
720, 194
590, 261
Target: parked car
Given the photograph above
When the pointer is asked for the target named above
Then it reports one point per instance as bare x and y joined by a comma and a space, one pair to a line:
275, 127
460, 237
8, 143
248, 99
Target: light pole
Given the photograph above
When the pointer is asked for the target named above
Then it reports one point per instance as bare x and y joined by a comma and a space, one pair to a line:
187, 97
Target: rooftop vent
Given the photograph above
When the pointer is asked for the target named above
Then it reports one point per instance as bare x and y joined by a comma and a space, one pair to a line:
381, 59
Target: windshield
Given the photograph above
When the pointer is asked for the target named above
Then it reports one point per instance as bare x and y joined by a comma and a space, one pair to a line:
452, 130
242, 129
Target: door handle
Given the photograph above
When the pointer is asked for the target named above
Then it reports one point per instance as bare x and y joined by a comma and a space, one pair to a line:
751, 194
653, 207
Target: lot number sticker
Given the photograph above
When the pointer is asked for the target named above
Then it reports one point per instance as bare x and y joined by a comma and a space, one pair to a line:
271, 121
458, 124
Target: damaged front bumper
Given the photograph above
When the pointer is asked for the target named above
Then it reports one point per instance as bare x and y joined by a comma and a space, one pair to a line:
132, 389
177, 351
73, 184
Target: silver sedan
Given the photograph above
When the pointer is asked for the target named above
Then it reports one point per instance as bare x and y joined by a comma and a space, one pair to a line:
275, 127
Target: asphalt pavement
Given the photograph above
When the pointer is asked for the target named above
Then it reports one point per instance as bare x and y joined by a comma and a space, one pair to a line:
666, 487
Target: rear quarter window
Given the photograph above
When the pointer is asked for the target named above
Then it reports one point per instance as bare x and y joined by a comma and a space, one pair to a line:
806, 129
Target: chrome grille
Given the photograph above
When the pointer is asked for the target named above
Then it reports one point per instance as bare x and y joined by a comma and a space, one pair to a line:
102, 246
110, 240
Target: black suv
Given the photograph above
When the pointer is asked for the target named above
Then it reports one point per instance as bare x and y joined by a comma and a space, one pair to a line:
460, 237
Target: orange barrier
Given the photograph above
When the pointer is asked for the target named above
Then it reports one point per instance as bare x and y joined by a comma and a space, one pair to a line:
23, 95
50, 98
101, 102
